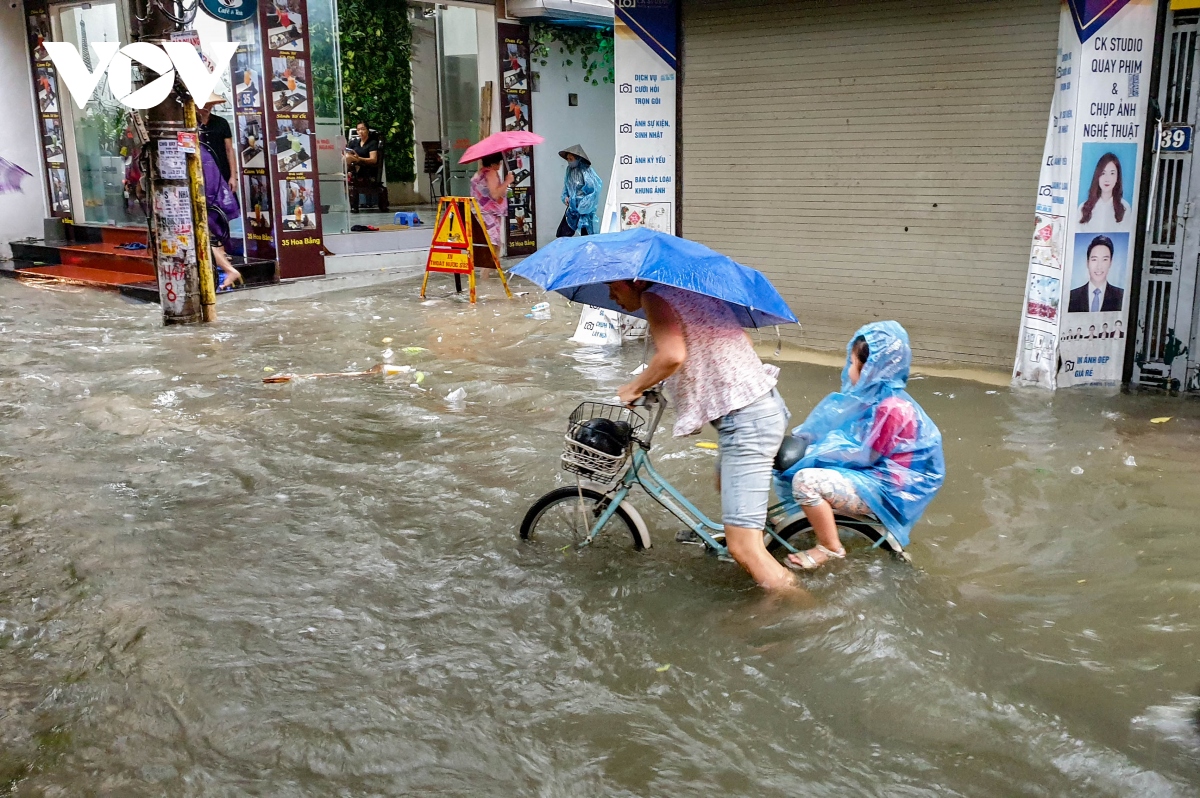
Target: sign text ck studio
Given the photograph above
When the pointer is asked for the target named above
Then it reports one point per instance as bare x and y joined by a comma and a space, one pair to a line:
164, 59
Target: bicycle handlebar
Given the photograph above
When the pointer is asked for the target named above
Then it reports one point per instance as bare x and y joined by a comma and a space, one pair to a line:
653, 396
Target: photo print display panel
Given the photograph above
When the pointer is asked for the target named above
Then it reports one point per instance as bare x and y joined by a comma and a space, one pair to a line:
290, 147
516, 113
249, 113
46, 89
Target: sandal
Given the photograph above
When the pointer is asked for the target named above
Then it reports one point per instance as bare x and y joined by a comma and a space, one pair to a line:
807, 563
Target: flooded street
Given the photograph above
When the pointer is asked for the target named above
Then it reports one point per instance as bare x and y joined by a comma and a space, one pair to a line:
211, 586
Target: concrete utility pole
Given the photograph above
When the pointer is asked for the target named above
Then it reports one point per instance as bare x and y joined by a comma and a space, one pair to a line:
178, 213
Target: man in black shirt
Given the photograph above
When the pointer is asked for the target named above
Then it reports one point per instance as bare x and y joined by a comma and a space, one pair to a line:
215, 133
362, 164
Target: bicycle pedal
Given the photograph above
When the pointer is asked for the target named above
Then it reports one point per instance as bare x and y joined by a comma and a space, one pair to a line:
690, 536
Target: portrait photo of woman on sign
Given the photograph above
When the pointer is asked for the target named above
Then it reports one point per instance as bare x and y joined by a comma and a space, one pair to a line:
1104, 209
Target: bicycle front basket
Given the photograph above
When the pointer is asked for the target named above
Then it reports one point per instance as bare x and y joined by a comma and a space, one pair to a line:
598, 440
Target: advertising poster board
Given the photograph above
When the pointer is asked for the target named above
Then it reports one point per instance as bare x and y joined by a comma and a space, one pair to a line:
644, 66
49, 108
250, 143
516, 113
1075, 316
289, 177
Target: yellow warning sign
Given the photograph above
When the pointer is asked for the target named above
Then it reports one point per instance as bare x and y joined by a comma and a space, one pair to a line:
450, 229
461, 243
457, 261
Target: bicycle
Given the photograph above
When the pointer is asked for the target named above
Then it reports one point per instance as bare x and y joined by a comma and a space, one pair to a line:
578, 514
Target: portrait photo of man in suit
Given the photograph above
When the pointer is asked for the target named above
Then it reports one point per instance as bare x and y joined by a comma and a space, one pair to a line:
1097, 295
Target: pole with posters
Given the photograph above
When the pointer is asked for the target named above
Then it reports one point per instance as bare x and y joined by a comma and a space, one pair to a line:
645, 40
1075, 314
178, 212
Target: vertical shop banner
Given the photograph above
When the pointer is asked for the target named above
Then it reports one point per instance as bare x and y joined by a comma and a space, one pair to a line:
49, 106
516, 110
644, 63
1074, 319
289, 146
250, 144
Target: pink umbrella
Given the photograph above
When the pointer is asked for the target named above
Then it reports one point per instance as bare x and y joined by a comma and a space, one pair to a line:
499, 142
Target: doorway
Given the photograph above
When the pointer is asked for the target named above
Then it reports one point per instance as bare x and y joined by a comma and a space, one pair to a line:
1167, 332
99, 152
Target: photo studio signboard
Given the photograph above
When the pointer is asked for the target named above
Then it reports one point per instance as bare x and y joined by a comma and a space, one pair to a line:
516, 111
1075, 317
644, 64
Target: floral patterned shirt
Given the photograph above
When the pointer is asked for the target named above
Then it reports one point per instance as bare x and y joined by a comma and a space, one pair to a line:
722, 372
494, 211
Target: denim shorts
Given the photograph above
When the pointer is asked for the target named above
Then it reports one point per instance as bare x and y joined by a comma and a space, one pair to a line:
747, 440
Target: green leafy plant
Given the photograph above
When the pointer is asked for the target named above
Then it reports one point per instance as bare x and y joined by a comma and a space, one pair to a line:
592, 46
109, 124
376, 44
324, 75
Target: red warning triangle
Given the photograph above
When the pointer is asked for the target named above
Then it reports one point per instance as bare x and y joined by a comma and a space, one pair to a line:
450, 229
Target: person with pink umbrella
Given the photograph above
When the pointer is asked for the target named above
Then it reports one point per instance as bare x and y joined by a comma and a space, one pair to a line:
491, 192
489, 189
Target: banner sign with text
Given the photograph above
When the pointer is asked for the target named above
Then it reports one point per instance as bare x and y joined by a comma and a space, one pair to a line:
1074, 318
49, 107
644, 63
286, 182
516, 111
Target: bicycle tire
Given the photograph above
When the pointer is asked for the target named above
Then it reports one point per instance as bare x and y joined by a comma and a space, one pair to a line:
594, 500
802, 525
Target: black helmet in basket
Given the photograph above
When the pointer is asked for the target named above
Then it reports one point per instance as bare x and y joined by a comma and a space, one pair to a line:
604, 435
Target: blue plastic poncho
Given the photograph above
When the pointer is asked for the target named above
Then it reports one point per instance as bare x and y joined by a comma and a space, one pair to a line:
876, 435
581, 192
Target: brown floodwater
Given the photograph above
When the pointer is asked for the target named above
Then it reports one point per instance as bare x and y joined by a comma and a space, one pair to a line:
214, 587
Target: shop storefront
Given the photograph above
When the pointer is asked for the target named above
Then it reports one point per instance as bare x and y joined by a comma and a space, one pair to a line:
875, 159
282, 107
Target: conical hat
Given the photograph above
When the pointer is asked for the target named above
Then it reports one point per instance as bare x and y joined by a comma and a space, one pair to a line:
577, 151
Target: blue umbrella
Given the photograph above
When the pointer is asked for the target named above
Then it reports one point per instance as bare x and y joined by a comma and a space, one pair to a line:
579, 268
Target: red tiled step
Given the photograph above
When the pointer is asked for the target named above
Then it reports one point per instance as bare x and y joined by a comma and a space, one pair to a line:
86, 275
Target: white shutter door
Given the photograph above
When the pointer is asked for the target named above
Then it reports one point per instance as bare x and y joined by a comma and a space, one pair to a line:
875, 158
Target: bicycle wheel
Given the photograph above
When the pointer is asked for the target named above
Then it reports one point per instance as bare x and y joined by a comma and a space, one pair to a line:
561, 518
802, 526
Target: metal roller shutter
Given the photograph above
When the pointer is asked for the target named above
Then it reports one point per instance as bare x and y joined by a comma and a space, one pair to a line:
876, 158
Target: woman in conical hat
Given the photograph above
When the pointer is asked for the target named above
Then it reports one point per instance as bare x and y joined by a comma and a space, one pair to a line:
582, 191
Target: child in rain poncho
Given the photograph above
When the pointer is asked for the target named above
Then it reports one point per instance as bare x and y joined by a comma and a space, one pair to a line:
872, 451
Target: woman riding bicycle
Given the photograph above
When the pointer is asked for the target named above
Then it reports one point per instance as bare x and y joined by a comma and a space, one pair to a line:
715, 376
872, 452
